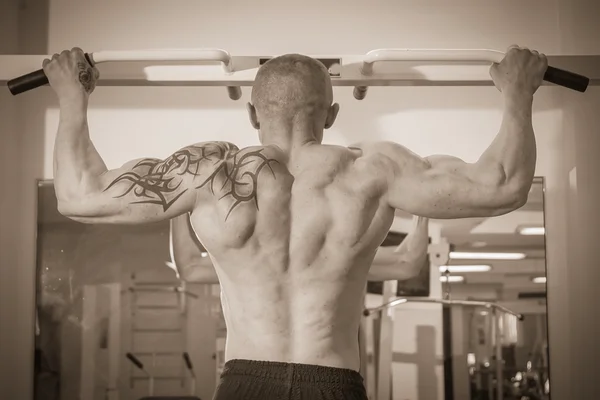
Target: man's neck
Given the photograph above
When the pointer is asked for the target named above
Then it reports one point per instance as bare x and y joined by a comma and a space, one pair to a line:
289, 137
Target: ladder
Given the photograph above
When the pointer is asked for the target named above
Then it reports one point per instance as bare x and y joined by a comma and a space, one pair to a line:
157, 355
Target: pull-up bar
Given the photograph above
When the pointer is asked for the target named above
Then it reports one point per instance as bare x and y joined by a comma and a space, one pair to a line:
38, 78
554, 75
355, 71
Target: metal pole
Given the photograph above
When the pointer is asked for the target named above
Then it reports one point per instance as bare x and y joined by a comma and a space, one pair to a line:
151, 376
386, 332
499, 360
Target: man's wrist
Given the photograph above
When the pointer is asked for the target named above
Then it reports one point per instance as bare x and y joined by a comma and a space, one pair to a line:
519, 105
75, 101
73, 109
518, 98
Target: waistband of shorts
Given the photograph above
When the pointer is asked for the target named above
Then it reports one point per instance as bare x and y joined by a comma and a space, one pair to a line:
292, 371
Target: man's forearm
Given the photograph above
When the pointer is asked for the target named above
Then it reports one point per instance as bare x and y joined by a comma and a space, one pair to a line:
414, 246
514, 148
77, 164
407, 260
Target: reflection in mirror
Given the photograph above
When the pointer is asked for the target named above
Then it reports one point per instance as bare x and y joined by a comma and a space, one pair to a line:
480, 331
117, 321
127, 312
114, 320
491, 350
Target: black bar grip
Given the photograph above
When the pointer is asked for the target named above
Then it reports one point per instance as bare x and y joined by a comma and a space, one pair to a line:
567, 79
34, 79
188, 361
135, 360
27, 82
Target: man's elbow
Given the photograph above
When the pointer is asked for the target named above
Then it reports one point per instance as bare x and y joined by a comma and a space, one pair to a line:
508, 192
415, 265
71, 211
520, 198
82, 213
513, 198
404, 269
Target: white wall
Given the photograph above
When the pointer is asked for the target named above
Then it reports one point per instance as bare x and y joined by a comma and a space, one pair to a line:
23, 30
311, 26
573, 273
133, 122
9, 220
459, 121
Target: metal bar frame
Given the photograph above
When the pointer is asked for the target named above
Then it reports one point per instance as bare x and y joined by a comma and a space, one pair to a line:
378, 374
384, 383
401, 300
438, 255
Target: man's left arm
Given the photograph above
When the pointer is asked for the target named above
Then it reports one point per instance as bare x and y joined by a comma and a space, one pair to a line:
407, 260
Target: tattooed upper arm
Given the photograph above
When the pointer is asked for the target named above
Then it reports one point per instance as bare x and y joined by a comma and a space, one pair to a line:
149, 189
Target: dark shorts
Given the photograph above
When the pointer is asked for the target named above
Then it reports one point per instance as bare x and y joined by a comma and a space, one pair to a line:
266, 380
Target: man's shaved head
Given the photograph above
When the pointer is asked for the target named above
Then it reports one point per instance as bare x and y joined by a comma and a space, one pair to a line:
290, 85
292, 101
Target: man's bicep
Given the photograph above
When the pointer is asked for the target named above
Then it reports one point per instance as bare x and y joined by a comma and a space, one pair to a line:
447, 187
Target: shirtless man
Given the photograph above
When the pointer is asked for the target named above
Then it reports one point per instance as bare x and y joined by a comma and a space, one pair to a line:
193, 264
292, 225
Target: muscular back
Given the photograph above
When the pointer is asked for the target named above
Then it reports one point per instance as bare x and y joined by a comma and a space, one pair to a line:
292, 240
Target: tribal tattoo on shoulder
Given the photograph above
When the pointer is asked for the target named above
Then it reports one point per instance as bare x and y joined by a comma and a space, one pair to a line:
162, 182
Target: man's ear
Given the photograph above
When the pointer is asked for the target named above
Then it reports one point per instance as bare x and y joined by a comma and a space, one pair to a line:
332, 115
252, 115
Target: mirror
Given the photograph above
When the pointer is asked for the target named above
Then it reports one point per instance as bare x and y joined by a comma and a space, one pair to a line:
480, 331
113, 320
474, 345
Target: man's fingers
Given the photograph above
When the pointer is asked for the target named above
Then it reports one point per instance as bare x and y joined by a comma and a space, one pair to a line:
544, 60
494, 68
80, 55
45, 62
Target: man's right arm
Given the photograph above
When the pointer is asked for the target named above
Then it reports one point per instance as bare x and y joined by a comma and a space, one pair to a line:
499, 182
191, 259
